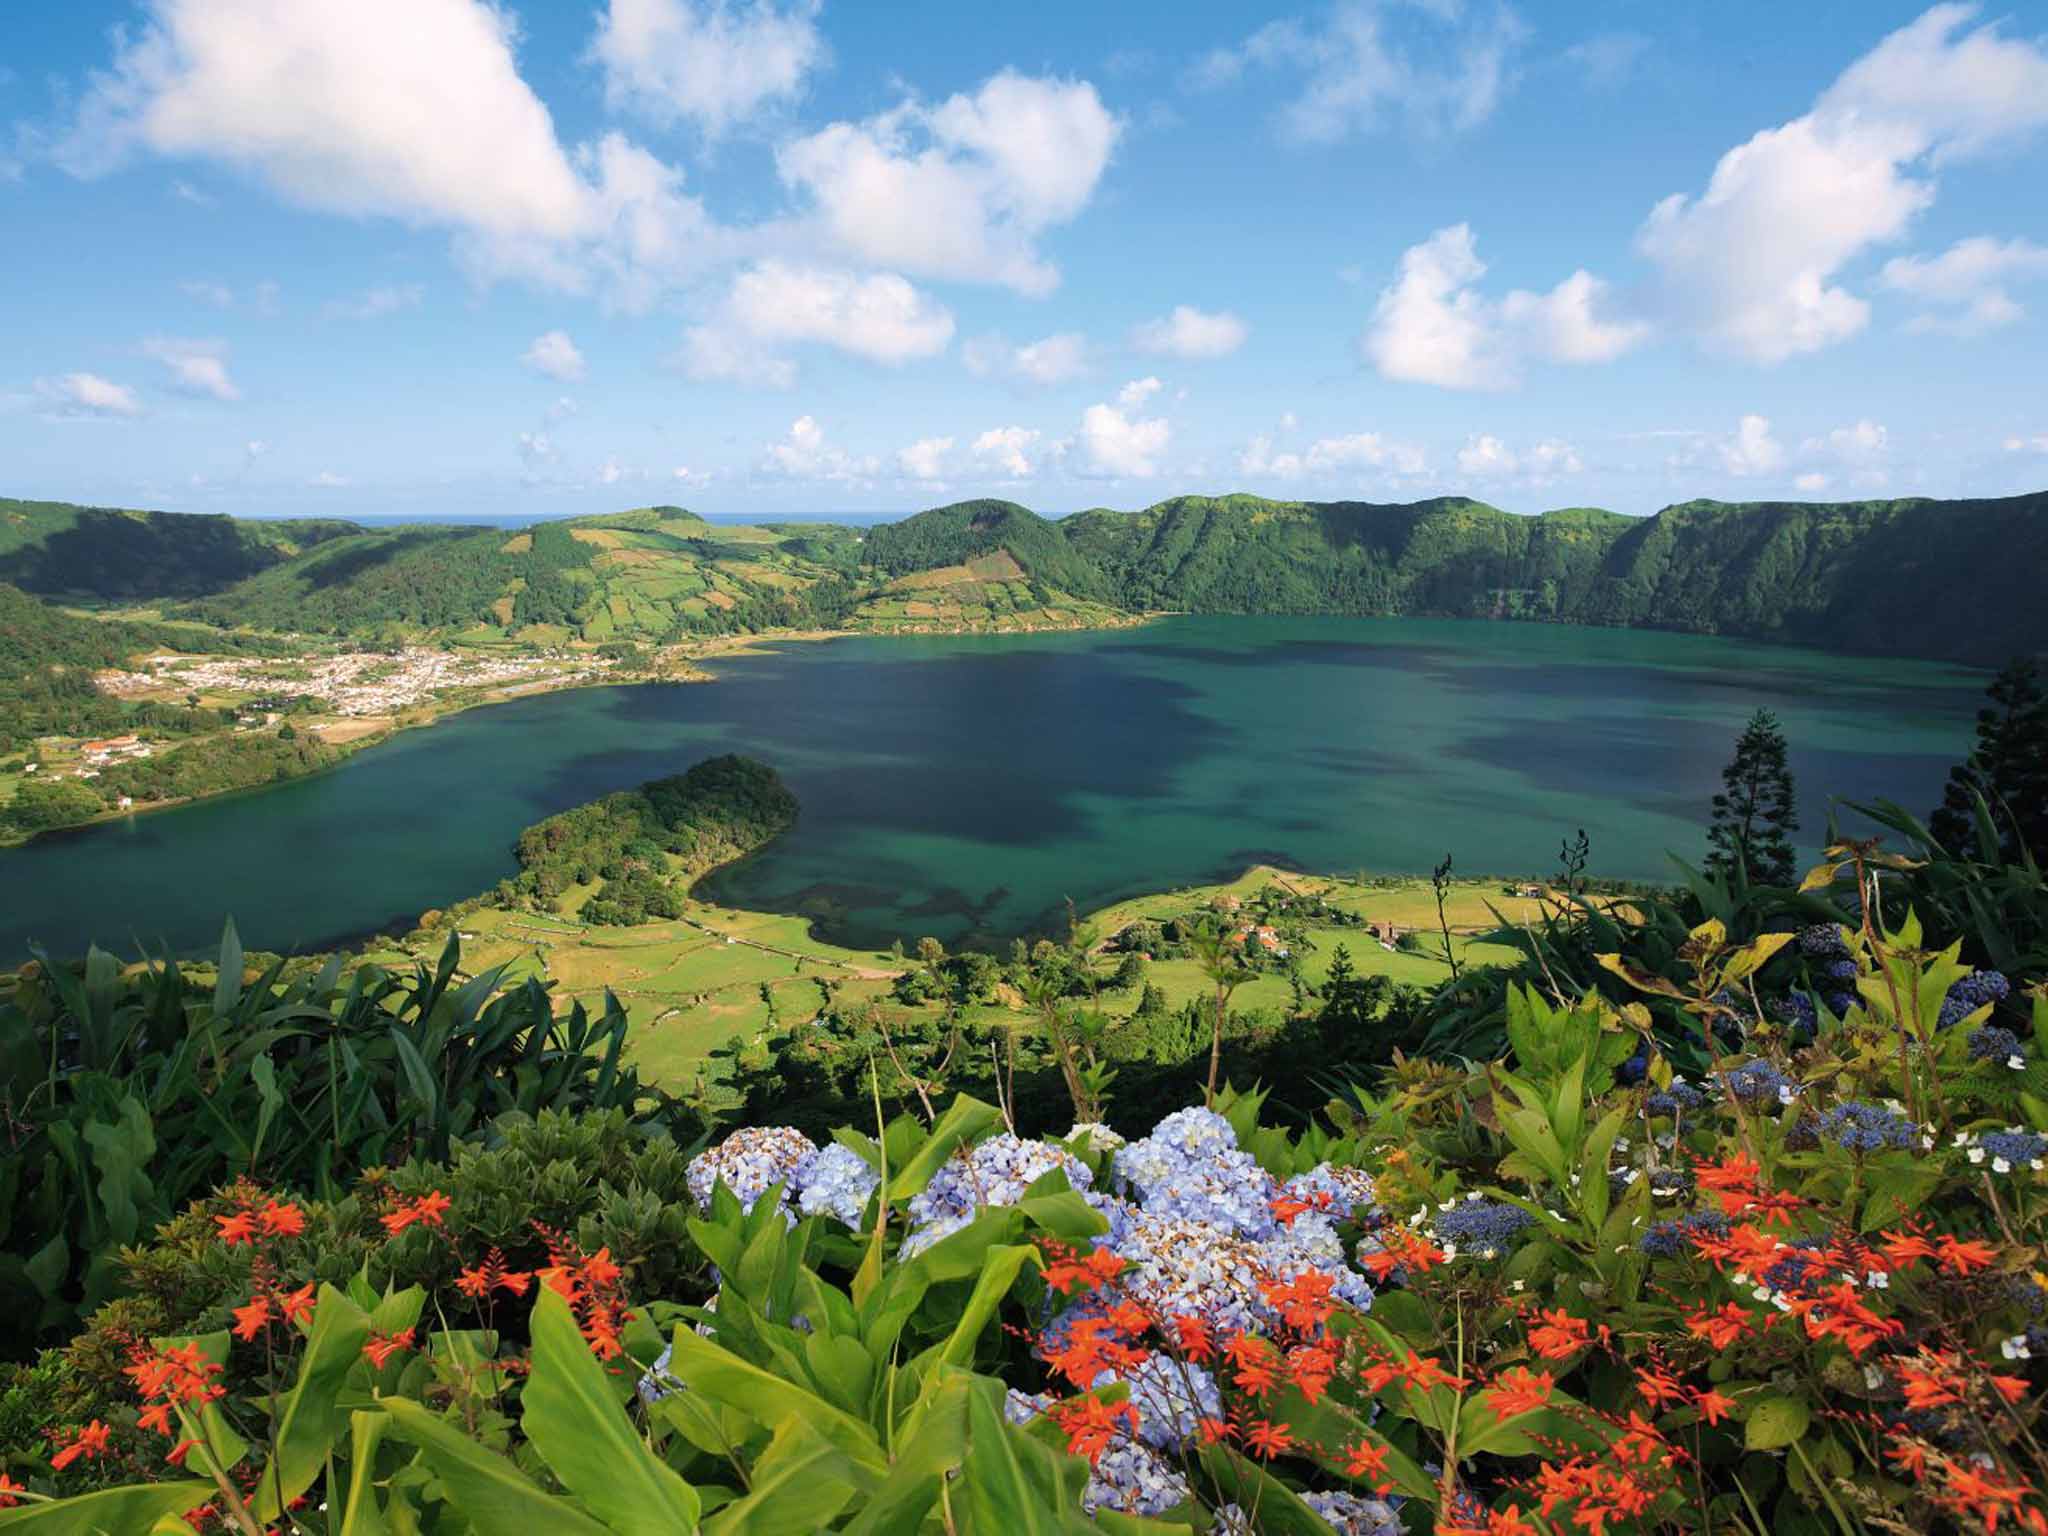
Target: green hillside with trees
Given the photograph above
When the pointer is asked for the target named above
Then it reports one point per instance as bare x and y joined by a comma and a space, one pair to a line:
108, 553
1874, 576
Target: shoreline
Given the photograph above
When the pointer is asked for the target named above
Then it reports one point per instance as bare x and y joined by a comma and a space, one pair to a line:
687, 655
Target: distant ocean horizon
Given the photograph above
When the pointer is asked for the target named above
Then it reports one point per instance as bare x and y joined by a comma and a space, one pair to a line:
528, 519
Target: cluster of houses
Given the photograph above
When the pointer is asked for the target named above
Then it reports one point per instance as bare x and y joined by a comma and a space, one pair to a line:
355, 683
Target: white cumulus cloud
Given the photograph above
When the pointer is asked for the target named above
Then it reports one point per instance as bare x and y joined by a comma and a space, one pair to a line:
1431, 325
1485, 456
86, 395
554, 354
709, 63
773, 304
925, 459
1753, 264
1442, 67
1964, 291
1049, 360
962, 190
805, 454
1008, 449
1752, 450
1117, 441
1191, 333
197, 367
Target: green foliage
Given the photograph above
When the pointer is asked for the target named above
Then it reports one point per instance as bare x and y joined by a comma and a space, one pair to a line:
132, 1092
57, 549
1756, 812
2006, 774
40, 804
634, 840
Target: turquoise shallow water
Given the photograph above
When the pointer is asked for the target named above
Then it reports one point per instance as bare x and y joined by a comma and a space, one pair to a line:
968, 786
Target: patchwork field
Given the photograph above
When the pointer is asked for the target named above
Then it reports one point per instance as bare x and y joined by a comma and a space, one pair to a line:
718, 974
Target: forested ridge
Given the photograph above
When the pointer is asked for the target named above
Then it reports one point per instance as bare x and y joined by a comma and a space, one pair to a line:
1875, 576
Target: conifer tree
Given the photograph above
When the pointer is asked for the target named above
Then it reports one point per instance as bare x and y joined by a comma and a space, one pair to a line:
1755, 815
2009, 768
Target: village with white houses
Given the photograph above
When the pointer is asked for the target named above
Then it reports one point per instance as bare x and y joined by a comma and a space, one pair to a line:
356, 683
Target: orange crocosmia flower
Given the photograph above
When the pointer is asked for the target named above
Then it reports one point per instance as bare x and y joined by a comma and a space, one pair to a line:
1962, 1258
2011, 1388
157, 1417
1737, 1172
1303, 1302
298, 1306
603, 1336
1423, 1374
430, 1208
1658, 1387
89, 1442
1982, 1494
1270, 1440
397, 1221
1558, 1335
1197, 1339
517, 1281
236, 1229
252, 1319
1256, 1375
282, 1219
1310, 1368
8, 1489
176, 1454
474, 1283
1092, 1426
1368, 1461
1519, 1391
382, 1346
1713, 1406
1908, 1456
1925, 1389
1777, 1208
599, 1272
1509, 1522
1720, 1329
1903, 1248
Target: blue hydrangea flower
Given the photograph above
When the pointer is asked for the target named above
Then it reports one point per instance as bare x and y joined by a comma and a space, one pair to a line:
1131, 1477
748, 1161
1681, 1095
1995, 1043
1673, 1239
1759, 1082
837, 1183
1350, 1515
1843, 969
995, 1172
1636, 1068
1858, 1127
1822, 939
1979, 989
1172, 1398
1349, 1190
2010, 1149
1796, 1012
1484, 1227
1192, 1168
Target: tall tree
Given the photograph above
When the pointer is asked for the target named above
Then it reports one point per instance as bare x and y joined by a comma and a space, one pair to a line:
2009, 768
1754, 815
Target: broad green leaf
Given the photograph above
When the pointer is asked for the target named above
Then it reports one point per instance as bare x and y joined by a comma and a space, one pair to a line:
766, 1398
577, 1425
966, 1119
496, 1497
361, 1516
309, 1417
1001, 1490
135, 1508
800, 1483
1775, 1422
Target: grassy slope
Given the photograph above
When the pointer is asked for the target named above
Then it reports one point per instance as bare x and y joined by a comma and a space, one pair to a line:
109, 553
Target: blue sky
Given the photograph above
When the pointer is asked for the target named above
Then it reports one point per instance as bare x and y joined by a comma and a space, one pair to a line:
430, 257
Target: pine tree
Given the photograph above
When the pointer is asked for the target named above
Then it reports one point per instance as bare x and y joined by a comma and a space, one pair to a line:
2009, 768
1755, 815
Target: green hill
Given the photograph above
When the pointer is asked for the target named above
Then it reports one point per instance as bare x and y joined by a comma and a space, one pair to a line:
59, 550
1955, 580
